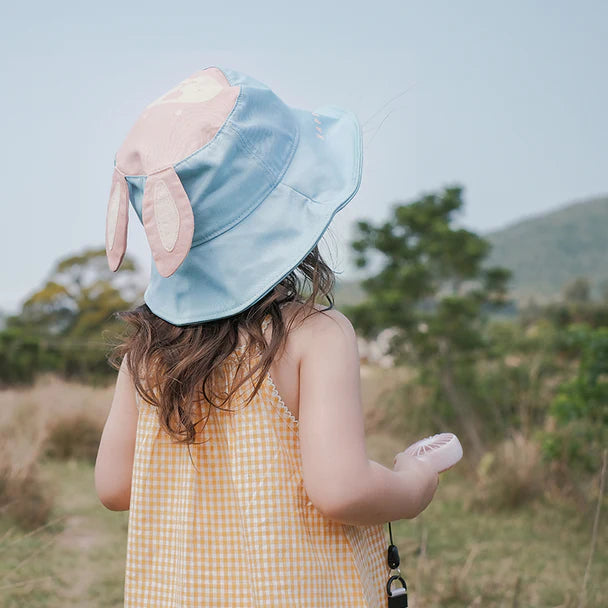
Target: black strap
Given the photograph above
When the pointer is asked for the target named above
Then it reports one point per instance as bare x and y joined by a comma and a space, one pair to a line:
400, 598
392, 556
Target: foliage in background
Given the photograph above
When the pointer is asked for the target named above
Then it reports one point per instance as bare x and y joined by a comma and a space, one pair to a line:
576, 305
60, 326
536, 377
580, 409
476, 370
434, 290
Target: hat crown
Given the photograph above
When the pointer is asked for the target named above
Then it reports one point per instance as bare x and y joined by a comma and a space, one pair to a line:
233, 187
229, 138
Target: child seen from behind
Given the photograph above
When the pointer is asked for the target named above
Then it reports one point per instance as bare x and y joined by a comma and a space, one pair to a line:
235, 437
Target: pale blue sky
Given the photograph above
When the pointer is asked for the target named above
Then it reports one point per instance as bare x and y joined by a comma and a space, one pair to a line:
508, 99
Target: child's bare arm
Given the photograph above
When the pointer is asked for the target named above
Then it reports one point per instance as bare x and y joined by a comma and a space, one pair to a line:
114, 463
339, 478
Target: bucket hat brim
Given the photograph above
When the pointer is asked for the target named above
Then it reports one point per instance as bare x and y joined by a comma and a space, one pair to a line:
225, 275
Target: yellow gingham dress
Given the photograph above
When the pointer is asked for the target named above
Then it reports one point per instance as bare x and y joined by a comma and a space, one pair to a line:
240, 530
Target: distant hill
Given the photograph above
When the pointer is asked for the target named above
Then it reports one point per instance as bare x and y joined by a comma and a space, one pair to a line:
547, 251
544, 252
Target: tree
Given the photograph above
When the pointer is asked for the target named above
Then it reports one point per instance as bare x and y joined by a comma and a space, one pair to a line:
79, 296
580, 409
578, 291
434, 290
60, 326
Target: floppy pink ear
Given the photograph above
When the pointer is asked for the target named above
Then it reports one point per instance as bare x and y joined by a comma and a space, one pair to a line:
117, 218
168, 220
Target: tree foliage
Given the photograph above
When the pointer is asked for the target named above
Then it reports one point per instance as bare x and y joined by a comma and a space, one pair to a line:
580, 409
60, 325
78, 298
434, 290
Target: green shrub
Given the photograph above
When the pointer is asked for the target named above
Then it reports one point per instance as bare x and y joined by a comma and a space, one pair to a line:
26, 498
509, 476
76, 436
580, 410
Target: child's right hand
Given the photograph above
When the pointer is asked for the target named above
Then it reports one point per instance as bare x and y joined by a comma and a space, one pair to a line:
419, 473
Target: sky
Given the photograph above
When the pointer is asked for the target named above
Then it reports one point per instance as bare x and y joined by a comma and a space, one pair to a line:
506, 99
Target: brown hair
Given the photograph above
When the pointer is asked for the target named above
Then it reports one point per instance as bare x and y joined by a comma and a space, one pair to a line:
173, 366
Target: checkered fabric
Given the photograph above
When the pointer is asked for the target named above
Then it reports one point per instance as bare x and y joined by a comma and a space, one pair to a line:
239, 529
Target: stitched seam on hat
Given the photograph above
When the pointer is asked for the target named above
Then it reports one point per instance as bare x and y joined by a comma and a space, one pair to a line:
308, 198
275, 182
236, 220
291, 154
312, 200
253, 153
276, 179
249, 148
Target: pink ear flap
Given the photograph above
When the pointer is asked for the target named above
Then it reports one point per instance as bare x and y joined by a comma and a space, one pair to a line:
117, 218
168, 220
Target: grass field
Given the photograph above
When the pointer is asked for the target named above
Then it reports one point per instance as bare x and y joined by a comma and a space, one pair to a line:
451, 555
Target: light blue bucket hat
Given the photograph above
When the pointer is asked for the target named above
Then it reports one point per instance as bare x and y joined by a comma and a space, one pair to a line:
234, 189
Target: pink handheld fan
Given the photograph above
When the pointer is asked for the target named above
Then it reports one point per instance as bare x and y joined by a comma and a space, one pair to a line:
441, 451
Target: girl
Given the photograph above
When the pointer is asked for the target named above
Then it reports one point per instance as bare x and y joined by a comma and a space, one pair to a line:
235, 437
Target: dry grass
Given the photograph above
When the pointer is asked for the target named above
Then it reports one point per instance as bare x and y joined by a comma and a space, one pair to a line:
73, 436
508, 476
496, 537
52, 419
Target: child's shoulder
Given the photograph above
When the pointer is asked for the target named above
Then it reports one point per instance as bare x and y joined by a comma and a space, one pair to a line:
313, 332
